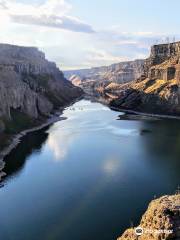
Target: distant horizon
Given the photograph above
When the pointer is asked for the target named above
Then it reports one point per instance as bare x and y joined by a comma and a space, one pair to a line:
74, 69
81, 35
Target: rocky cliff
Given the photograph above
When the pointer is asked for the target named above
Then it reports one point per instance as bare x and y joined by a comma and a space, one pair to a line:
90, 79
157, 90
160, 222
31, 87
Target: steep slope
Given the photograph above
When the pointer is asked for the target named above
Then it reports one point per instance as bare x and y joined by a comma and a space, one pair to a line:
160, 222
31, 87
157, 90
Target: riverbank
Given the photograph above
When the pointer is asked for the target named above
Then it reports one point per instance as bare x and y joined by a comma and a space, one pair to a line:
151, 115
143, 114
16, 139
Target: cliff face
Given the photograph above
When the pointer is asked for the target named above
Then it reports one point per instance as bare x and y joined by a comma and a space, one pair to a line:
157, 90
160, 222
30, 85
25, 59
119, 73
124, 72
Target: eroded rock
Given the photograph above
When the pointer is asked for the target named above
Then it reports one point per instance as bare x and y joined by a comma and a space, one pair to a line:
161, 221
30, 84
158, 89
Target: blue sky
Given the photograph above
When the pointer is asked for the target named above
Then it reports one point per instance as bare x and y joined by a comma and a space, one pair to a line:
131, 15
81, 34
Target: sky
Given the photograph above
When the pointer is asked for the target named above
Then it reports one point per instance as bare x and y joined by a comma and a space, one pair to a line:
80, 34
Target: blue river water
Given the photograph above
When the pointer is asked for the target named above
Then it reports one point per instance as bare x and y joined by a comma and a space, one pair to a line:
88, 177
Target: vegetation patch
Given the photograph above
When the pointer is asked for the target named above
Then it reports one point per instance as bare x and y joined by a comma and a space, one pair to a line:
20, 121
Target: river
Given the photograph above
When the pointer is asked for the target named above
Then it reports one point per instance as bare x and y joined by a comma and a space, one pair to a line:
88, 177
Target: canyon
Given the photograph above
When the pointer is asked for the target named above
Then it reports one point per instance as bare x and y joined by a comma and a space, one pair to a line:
148, 86
32, 89
95, 79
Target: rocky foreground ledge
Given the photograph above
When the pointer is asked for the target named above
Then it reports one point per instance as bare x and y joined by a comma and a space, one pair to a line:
161, 221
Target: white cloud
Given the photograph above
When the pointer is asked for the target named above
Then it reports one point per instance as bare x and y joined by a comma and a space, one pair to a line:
105, 47
20, 25
52, 13
102, 57
3, 5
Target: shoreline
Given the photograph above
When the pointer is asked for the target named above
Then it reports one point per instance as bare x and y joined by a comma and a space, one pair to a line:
56, 117
16, 139
163, 116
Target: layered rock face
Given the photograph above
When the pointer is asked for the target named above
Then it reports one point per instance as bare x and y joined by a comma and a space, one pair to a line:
25, 60
164, 62
160, 222
157, 90
124, 72
94, 78
31, 85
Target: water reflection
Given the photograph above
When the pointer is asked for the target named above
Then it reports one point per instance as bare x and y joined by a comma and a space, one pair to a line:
57, 148
123, 131
163, 145
58, 143
15, 161
87, 177
111, 166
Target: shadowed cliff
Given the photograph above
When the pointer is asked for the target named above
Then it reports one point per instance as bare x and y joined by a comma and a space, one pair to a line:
31, 88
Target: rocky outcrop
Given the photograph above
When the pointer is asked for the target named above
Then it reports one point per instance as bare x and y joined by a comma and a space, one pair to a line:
161, 221
157, 90
30, 85
76, 80
163, 62
25, 60
16, 94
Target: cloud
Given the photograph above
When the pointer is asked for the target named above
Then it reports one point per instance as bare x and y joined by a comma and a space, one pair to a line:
102, 57
3, 5
64, 22
53, 14
103, 47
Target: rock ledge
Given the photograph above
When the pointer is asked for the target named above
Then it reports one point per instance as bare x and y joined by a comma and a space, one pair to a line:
161, 221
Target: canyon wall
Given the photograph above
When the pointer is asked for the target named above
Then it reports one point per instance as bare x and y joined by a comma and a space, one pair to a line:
157, 90
30, 85
118, 73
164, 62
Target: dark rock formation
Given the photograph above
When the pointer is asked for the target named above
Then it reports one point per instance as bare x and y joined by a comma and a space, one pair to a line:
30, 85
157, 90
160, 222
